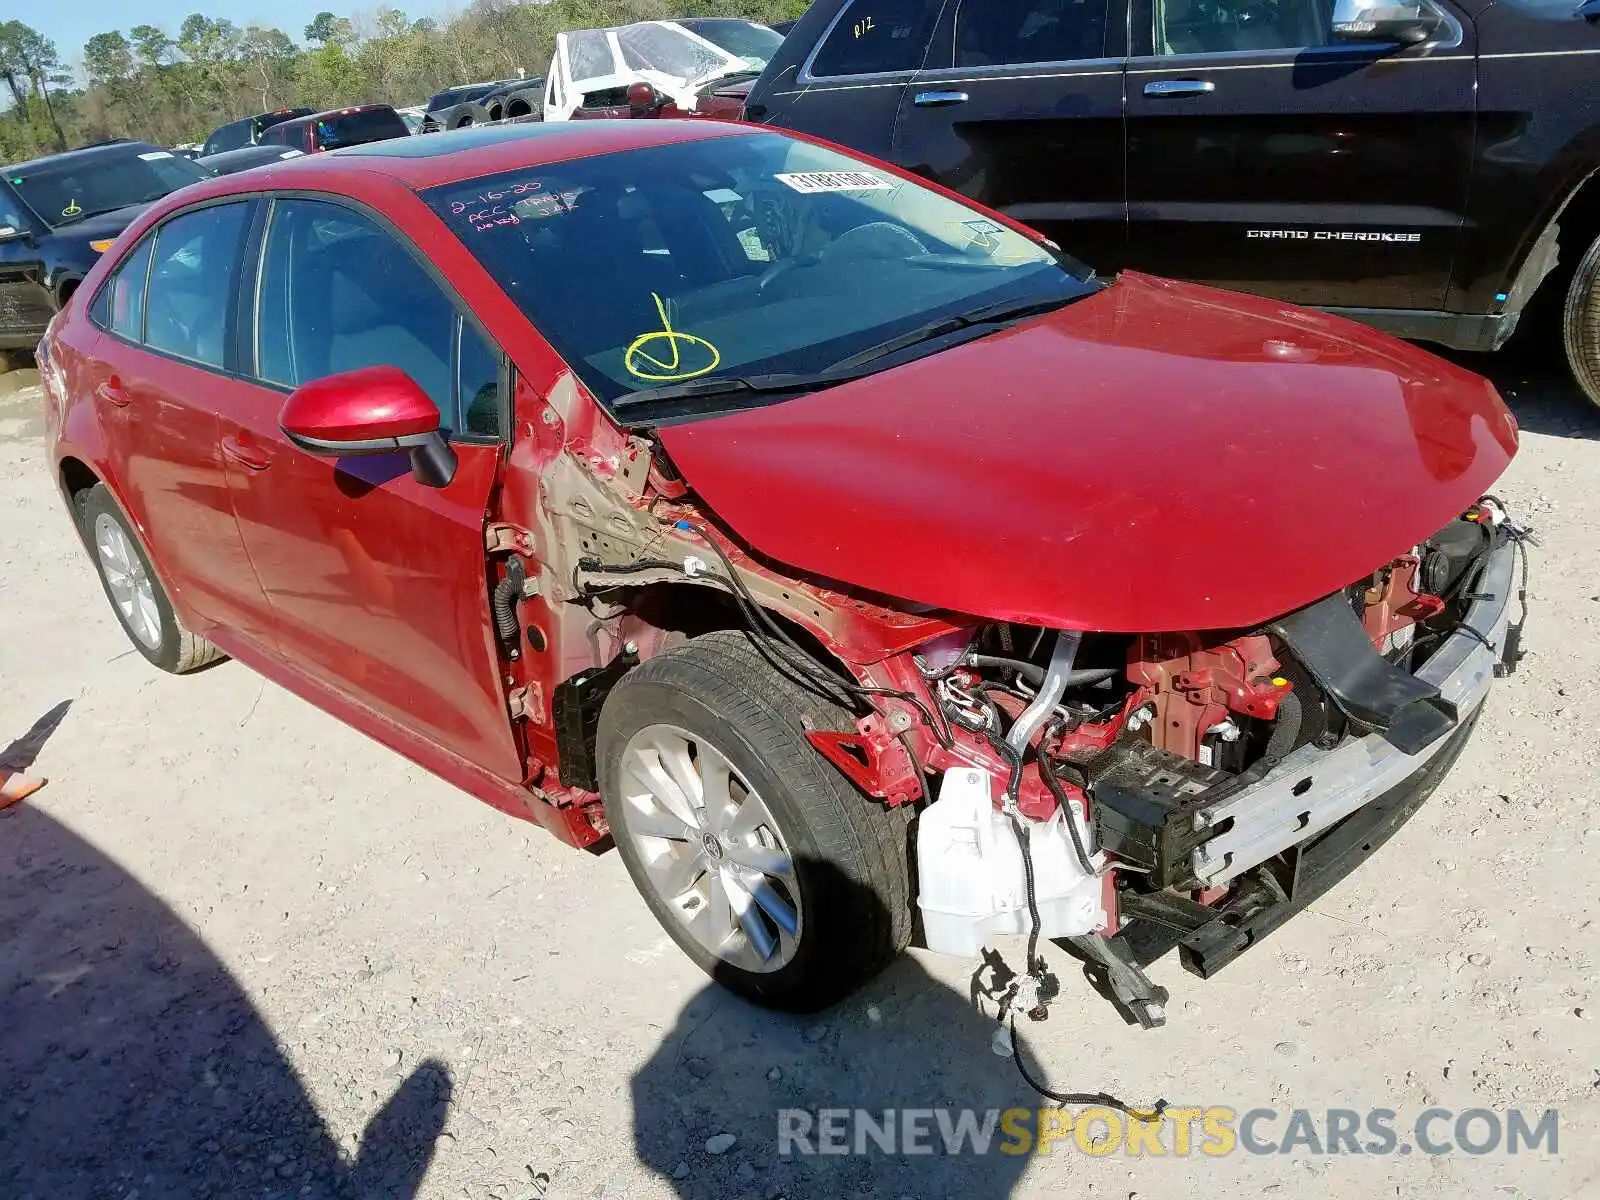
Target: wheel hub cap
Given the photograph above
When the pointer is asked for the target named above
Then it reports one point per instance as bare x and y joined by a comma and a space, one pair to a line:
132, 590
711, 849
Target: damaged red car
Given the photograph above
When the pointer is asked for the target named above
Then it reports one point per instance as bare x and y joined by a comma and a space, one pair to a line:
862, 567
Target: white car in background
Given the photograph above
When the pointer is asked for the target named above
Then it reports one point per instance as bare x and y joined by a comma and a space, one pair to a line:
593, 68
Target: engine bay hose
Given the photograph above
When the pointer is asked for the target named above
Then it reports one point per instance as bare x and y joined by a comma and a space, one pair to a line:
1050, 691
1034, 673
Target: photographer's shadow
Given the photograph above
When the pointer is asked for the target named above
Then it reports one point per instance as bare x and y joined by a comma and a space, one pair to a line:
132, 1061
904, 1042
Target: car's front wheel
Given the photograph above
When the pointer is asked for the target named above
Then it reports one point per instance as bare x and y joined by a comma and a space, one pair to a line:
1580, 325
765, 865
135, 592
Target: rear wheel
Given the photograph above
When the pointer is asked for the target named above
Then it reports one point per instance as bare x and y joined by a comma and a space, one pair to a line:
136, 594
765, 865
1580, 325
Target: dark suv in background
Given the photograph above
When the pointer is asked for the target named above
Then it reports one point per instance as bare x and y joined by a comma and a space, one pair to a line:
58, 214
247, 132
338, 127
1423, 166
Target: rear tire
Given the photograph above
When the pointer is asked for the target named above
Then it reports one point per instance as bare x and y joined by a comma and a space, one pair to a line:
136, 594
1580, 325
737, 728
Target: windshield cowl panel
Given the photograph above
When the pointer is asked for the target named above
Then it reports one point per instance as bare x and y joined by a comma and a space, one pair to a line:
742, 257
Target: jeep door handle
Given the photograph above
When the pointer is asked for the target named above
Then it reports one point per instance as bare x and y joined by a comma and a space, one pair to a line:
1166, 89
246, 453
939, 99
111, 391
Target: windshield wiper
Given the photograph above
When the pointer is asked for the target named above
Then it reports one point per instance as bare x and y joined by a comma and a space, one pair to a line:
733, 385
990, 314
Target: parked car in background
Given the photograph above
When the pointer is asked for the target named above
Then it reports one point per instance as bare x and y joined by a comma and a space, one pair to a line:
1426, 167
830, 544
338, 127
694, 67
187, 150
453, 107
58, 214
247, 132
520, 99
248, 158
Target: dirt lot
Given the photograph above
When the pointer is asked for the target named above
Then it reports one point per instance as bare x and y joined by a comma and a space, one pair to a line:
246, 952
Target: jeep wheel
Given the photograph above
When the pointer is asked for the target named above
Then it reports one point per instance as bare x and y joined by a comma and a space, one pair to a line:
136, 595
1581, 323
765, 865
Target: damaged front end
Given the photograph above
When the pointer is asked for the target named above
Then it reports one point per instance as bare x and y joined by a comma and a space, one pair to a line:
1206, 785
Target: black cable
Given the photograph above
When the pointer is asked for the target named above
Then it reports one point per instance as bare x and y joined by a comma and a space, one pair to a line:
1080, 1098
754, 610
1060, 793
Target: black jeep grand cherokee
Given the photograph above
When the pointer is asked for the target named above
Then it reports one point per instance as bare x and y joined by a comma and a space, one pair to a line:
60, 213
1422, 165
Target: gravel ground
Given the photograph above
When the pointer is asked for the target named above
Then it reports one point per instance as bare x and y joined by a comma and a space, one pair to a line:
246, 952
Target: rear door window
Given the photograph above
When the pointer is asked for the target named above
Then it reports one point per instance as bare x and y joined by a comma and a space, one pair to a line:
122, 311
191, 282
873, 36
992, 33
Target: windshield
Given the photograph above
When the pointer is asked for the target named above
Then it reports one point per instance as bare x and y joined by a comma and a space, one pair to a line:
670, 51
755, 44
84, 185
229, 137
736, 256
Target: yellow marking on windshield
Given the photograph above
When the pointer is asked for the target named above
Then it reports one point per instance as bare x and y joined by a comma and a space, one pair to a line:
644, 365
71, 210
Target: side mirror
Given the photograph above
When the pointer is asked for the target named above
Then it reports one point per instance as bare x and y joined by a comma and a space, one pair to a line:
642, 99
374, 410
1408, 22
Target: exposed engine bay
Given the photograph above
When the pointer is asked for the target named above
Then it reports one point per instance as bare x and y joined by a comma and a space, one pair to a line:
1143, 774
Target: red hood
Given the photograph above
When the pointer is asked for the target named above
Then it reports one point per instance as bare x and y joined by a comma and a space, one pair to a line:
1159, 456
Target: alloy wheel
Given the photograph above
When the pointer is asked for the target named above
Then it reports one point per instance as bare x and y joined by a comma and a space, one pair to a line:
711, 849
132, 590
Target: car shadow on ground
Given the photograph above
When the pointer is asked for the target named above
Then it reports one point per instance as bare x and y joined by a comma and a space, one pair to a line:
904, 1042
1532, 375
132, 1062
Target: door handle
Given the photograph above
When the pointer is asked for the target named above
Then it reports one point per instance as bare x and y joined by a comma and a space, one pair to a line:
1165, 89
111, 391
245, 453
939, 99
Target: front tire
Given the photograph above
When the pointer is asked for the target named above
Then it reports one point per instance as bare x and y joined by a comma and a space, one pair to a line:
135, 592
765, 865
1580, 325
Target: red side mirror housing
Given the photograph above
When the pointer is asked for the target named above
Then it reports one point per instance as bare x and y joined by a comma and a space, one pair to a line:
373, 410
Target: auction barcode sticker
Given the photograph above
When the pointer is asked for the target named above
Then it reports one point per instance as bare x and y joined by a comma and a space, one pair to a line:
835, 181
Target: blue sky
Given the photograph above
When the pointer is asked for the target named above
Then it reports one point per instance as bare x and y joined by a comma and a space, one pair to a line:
69, 25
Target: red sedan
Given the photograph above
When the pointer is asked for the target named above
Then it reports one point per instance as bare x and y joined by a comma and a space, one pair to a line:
860, 564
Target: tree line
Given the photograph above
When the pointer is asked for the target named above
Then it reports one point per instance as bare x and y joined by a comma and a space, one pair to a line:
170, 88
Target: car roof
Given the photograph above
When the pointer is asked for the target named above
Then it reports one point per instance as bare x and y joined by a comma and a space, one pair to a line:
109, 149
339, 112
428, 160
